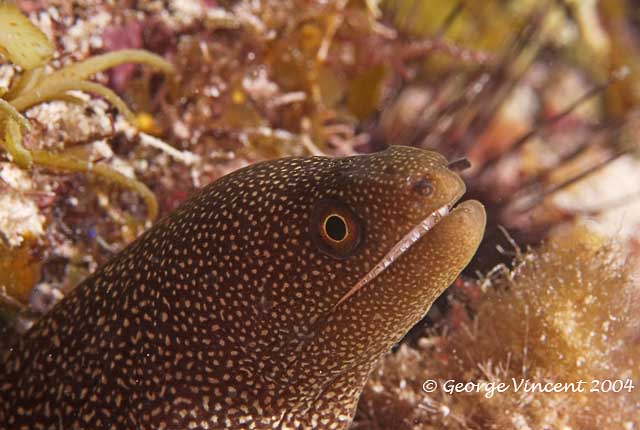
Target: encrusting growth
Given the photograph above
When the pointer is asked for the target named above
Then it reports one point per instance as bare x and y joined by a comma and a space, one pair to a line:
565, 313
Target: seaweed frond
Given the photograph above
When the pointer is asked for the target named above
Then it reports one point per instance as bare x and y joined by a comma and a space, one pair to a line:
12, 143
21, 42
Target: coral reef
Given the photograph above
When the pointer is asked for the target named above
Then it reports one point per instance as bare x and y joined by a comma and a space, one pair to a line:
541, 97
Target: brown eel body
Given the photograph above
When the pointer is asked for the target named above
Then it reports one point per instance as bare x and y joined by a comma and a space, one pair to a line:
261, 303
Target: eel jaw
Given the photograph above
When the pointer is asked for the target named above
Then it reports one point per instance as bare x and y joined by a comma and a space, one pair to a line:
409, 239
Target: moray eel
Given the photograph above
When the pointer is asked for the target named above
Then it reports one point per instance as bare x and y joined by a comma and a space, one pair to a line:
260, 303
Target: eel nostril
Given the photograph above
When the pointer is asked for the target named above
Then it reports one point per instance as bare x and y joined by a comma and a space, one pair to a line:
423, 186
459, 165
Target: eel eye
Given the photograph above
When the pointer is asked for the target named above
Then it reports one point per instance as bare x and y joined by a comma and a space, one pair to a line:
335, 228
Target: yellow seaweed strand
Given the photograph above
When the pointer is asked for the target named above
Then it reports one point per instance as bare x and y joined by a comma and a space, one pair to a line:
10, 111
52, 90
90, 66
63, 162
13, 144
25, 83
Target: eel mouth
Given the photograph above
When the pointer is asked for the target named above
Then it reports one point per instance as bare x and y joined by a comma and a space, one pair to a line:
402, 246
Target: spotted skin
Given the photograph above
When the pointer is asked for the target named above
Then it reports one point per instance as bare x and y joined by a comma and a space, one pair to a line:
227, 313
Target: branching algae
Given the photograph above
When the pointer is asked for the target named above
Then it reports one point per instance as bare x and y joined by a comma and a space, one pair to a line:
27, 47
